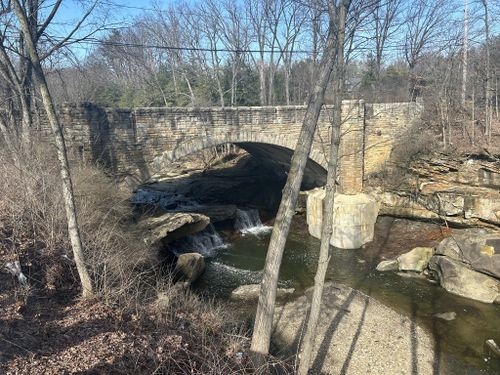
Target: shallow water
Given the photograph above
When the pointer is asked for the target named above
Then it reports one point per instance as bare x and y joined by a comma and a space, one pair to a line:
459, 343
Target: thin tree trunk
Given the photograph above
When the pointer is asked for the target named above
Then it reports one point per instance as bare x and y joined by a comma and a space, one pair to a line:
262, 82
265, 308
67, 187
473, 115
464, 53
287, 83
496, 96
270, 81
26, 121
328, 206
488, 74
443, 125
234, 80
8, 138
191, 92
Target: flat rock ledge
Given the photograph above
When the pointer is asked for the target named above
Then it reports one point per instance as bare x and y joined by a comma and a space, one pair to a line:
356, 335
173, 225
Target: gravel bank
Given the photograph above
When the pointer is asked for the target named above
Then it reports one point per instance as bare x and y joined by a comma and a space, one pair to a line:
357, 335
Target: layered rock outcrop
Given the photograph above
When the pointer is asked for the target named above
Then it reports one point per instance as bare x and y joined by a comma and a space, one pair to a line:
464, 192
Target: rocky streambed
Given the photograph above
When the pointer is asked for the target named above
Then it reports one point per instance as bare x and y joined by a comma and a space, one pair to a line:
376, 313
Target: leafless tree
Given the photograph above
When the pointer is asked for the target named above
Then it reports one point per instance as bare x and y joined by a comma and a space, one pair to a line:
338, 13
385, 19
265, 308
30, 33
424, 24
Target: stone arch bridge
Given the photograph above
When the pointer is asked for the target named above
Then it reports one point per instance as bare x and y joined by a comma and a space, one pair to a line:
138, 143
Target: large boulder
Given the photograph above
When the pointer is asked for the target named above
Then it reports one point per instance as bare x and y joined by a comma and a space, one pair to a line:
251, 292
482, 253
356, 335
353, 221
415, 260
189, 267
459, 279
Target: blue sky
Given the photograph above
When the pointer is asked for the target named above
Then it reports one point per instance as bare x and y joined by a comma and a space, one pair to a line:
121, 13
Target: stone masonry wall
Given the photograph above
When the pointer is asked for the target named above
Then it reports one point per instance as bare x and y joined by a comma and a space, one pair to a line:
384, 122
139, 142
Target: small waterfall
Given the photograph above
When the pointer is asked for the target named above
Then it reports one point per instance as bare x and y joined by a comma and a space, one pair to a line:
206, 242
248, 221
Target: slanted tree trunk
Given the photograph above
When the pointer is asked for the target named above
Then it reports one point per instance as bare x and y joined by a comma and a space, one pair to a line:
67, 187
338, 13
265, 308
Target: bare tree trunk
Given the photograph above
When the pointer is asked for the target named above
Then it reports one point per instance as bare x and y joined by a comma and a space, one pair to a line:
327, 225
27, 120
67, 187
487, 125
473, 115
287, 83
464, 53
4, 129
496, 96
443, 124
270, 81
234, 80
221, 93
265, 308
262, 83
191, 92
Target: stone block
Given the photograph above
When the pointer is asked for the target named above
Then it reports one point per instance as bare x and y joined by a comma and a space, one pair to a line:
353, 222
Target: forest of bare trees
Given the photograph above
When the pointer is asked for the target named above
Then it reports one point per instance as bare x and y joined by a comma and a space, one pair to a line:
263, 52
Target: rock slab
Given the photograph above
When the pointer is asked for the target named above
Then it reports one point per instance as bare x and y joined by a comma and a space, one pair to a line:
356, 335
170, 226
251, 292
457, 278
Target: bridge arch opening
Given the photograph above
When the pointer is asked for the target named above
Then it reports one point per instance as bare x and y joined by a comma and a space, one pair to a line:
272, 157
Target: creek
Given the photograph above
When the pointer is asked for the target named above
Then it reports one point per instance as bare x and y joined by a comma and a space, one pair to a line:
235, 253
459, 343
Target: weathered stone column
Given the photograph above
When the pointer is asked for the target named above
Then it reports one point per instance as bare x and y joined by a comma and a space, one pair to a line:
352, 146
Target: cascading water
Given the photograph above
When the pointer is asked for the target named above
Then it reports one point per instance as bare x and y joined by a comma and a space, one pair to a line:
206, 242
248, 221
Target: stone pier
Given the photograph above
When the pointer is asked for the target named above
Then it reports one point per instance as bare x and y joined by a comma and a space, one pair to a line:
353, 219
